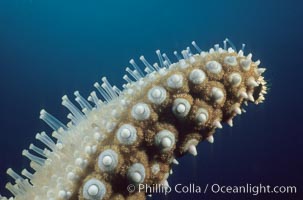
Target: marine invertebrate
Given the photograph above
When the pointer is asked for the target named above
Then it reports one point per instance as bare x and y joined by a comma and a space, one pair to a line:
135, 135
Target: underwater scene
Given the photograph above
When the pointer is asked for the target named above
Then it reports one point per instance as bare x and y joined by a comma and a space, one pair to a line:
127, 100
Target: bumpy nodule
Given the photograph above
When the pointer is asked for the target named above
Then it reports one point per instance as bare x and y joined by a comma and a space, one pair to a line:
135, 136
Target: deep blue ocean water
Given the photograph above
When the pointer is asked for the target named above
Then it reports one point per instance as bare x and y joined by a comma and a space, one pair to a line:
53, 47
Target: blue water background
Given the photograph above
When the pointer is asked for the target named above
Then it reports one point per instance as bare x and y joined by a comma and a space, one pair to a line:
49, 48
